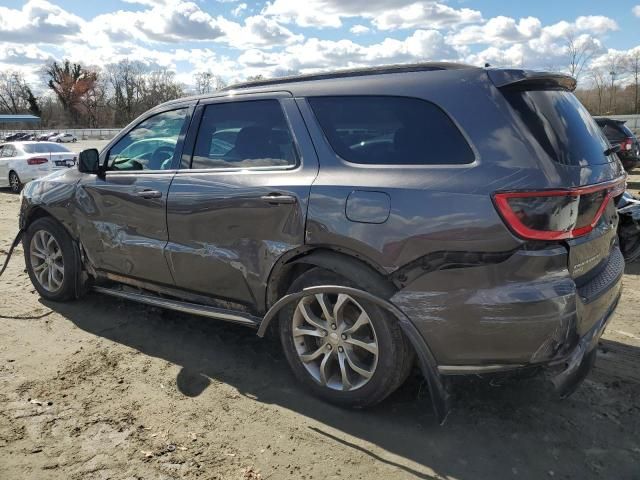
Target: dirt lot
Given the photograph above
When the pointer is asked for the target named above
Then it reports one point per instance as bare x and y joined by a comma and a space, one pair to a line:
101, 388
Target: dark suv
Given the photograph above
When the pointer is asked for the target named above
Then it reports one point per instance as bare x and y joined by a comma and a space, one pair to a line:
619, 134
455, 216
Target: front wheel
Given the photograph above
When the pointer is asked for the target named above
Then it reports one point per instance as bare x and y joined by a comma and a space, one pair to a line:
50, 259
346, 350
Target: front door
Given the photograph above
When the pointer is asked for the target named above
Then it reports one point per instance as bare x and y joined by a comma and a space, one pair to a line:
122, 215
241, 200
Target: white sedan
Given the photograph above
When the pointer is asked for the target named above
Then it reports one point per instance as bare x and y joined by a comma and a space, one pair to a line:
63, 138
21, 162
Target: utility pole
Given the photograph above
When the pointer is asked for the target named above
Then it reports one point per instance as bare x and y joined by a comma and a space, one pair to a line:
612, 98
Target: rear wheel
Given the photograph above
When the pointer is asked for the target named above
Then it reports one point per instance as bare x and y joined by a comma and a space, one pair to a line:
50, 259
14, 182
347, 351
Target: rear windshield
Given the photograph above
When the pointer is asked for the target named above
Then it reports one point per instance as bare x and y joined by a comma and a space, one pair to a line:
386, 130
44, 148
560, 125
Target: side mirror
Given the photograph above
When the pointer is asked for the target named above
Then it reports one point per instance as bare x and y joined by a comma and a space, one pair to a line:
89, 161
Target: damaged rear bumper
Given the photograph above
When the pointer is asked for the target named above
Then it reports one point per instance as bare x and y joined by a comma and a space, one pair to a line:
569, 372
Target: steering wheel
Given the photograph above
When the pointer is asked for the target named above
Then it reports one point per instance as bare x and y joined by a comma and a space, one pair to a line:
160, 156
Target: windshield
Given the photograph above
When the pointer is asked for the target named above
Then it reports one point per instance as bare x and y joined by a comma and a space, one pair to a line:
561, 126
45, 148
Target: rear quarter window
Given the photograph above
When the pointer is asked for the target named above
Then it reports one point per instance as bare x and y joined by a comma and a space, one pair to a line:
386, 130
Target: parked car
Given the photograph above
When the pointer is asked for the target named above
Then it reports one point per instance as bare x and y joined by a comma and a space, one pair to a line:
619, 134
46, 136
21, 162
18, 136
474, 234
63, 138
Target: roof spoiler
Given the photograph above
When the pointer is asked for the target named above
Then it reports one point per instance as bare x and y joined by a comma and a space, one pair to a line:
531, 80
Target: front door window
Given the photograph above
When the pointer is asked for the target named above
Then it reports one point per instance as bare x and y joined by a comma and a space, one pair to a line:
151, 145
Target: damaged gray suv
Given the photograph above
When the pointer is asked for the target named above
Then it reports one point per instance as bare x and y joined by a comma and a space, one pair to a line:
453, 217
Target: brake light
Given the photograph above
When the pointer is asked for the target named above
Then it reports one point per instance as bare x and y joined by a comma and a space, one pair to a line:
556, 214
37, 161
626, 144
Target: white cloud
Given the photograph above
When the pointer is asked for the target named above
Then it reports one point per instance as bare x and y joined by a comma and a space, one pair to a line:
259, 31
359, 29
595, 24
38, 22
636, 10
425, 14
385, 14
22, 54
498, 30
315, 54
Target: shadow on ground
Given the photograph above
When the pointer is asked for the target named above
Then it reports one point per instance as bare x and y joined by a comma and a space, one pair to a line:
496, 429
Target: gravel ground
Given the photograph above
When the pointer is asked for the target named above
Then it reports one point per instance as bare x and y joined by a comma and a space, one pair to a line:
100, 388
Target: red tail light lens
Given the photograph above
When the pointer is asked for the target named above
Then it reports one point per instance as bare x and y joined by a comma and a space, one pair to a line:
37, 161
626, 144
556, 214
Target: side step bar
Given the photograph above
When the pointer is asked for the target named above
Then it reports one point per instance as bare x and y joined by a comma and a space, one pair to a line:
186, 307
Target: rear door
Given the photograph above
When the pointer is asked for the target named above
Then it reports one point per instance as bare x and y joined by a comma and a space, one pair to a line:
240, 201
122, 215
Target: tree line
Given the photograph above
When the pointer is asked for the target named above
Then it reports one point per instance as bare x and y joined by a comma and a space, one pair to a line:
112, 96
92, 97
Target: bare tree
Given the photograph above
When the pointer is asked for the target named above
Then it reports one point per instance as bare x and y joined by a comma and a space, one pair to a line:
599, 78
633, 65
126, 80
94, 103
615, 65
207, 82
16, 95
579, 51
160, 86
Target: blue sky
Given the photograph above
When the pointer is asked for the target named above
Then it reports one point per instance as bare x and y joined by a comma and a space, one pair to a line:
237, 38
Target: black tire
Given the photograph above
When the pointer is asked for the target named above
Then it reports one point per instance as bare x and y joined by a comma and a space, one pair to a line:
14, 182
67, 289
395, 354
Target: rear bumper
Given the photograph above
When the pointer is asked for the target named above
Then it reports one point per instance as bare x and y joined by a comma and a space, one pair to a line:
524, 311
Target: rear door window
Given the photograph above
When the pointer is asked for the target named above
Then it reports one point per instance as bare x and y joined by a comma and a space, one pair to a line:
560, 124
247, 134
386, 130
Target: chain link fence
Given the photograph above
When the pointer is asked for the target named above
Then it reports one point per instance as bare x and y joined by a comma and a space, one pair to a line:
79, 133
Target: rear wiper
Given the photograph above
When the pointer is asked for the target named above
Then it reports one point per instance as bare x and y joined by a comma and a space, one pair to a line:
613, 149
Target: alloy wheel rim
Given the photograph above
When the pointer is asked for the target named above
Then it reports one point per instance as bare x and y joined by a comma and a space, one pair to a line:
47, 262
335, 341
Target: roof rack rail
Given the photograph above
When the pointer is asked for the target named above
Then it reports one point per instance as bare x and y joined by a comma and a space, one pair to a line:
353, 72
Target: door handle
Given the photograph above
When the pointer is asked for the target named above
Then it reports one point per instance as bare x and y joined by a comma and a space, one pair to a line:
149, 194
277, 199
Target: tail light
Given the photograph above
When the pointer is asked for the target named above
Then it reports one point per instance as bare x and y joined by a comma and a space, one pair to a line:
556, 214
37, 161
626, 144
